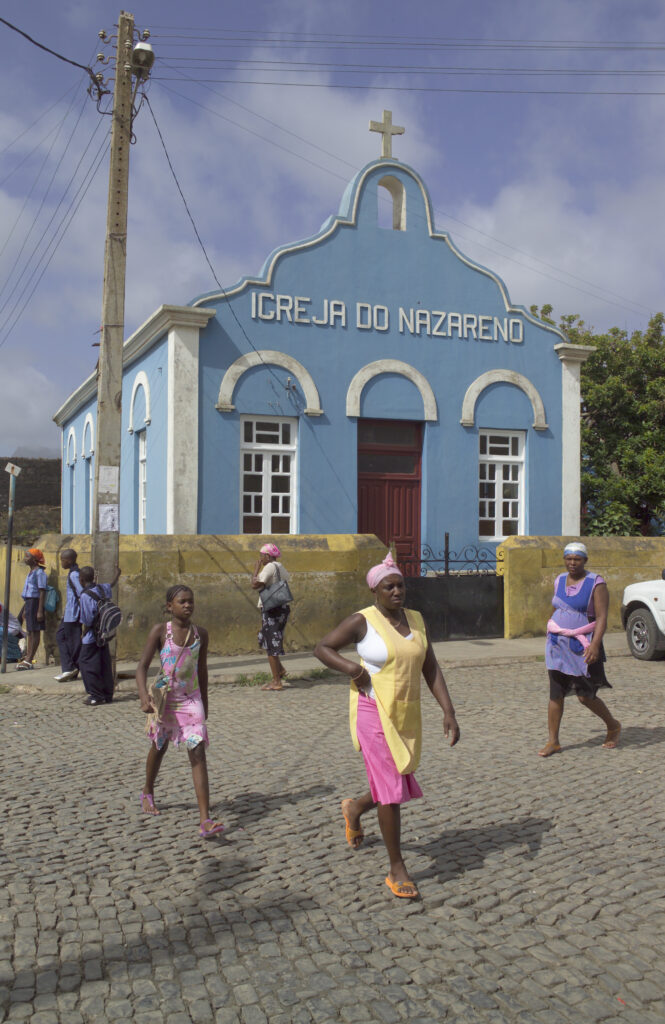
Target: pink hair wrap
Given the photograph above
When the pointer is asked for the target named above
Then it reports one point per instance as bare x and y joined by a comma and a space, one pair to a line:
387, 567
271, 549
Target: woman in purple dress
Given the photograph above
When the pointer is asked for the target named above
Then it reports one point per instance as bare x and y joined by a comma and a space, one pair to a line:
574, 652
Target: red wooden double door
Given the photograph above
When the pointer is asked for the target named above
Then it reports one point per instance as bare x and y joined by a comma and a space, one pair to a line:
389, 485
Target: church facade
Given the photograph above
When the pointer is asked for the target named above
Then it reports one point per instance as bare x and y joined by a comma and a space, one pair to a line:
370, 379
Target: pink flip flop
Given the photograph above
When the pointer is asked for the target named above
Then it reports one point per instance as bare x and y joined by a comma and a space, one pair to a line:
207, 833
151, 803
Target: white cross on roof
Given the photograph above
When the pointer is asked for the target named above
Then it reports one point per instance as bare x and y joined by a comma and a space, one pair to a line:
387, 129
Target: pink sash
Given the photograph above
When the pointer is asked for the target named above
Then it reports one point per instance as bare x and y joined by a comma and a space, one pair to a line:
580, 631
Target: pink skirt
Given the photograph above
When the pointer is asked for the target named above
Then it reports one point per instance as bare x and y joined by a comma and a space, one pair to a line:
386, 784
183, 722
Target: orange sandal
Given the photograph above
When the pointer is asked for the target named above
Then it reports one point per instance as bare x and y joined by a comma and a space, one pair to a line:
354, 836
398, 889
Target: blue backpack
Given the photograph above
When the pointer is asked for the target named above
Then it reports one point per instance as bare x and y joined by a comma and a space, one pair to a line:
51, 599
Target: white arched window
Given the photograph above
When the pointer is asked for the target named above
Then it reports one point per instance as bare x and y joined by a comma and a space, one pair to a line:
87, 452
142, 480
139, 421
391, 196
140, 382
71, 478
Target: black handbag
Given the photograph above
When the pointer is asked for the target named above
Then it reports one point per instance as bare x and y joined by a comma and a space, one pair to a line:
277, 594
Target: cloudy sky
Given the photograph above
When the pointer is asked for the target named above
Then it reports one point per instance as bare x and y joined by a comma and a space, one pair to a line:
537, 127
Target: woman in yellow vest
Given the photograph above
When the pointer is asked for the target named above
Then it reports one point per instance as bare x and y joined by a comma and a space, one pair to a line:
385, 717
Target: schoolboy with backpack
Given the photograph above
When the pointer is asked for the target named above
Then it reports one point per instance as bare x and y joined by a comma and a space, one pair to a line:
68, 636
100, 618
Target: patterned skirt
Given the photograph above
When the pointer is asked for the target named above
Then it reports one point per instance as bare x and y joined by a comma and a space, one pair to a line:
271, 634
183, 722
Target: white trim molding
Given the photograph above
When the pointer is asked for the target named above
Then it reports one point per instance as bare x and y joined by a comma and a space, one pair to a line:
71, 437
88, 426
572, 357
155, 327
380, 366
268, 357
182, 427
518, 380
140, 381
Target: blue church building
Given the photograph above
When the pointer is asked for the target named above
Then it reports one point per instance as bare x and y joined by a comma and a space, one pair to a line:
370, 379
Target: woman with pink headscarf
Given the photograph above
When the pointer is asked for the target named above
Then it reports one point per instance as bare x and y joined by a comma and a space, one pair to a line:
269, 570
385, 718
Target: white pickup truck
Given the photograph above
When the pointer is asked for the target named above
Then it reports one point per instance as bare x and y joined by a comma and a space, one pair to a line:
643, 618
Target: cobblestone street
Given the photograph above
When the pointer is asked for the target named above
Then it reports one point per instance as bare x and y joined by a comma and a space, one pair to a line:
541, 880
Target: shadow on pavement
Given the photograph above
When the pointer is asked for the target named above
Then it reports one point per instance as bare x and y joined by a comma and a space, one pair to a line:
461, 850
251, 807
631, 736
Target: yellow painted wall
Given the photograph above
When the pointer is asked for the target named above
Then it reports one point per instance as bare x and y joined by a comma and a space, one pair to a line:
327, 581
530, 565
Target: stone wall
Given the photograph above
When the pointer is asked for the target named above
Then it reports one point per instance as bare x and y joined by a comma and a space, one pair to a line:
529, 566
327, 580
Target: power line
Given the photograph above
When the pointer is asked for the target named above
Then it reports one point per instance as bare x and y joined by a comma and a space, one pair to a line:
203, 248
443, 213
261, 117
310, 67
41, 206
53, 53
30, 191
55, 242
229, 305
36, 121
187, 34
56, 128
44, 232
182, 195
419, 88
626, 304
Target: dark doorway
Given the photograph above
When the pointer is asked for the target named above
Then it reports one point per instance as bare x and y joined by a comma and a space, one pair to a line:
389, 484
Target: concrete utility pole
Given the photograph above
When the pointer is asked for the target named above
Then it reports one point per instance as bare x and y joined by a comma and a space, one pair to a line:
130, 61
105, 522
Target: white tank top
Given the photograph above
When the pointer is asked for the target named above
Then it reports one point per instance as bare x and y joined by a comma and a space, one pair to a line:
374, 653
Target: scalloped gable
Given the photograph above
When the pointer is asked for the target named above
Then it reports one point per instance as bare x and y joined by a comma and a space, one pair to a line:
349, 216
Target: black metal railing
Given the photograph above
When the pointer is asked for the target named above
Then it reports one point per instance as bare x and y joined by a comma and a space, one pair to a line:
471, 560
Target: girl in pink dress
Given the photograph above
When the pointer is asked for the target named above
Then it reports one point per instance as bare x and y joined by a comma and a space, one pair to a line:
181, 718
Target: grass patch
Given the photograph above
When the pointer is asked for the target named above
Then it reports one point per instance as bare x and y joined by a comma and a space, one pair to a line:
4, 688
258, 679
540, 657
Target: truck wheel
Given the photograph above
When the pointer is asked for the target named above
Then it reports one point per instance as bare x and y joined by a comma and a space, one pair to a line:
643, 635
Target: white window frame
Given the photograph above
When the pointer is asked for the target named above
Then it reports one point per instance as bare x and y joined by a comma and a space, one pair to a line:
142, 491
72, 496
500, 461
254, 448
90, 485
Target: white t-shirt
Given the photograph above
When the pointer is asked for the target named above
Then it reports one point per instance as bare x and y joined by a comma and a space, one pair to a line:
268, 575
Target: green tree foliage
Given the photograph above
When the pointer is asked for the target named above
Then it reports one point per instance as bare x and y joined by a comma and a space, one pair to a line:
623, 428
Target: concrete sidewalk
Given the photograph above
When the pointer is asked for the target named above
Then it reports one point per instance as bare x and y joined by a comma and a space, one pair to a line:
243, 668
